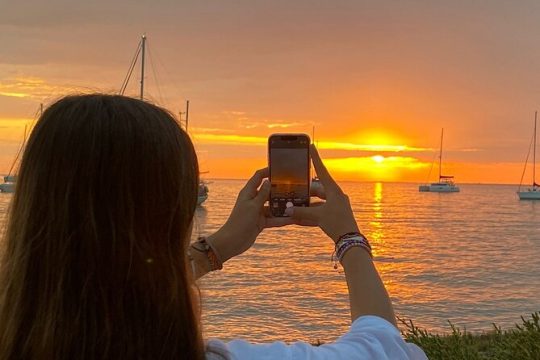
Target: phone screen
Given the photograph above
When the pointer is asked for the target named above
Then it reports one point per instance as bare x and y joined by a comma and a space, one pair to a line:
289, 171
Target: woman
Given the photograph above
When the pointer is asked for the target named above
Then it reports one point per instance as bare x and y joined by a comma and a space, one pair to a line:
97, 262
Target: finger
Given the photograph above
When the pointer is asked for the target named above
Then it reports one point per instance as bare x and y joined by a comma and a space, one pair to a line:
267, 212
322, 172
263, 193
305, 223
271, 222
310, 214
249, 191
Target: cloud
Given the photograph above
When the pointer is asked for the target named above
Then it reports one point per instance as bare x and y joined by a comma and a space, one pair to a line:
326, 145
31, 87
282, 125
368, 147
230, 139
355, 164
204, 130
234, 112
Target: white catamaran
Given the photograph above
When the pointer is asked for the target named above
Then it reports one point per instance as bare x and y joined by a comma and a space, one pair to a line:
532, 193
446, 182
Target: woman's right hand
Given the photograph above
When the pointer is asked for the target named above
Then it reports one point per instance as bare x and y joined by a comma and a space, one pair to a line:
334, 216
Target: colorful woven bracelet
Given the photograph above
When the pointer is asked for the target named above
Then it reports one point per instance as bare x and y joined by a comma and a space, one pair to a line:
355, 238
202, 245
343, 250
350, 235
348, 241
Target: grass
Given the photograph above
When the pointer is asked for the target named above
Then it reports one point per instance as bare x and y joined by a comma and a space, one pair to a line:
521, 342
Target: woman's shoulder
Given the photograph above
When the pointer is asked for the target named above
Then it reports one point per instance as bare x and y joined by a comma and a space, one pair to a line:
369, 337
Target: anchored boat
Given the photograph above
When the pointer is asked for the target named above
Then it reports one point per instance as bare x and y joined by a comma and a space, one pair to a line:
532, 193
446, 182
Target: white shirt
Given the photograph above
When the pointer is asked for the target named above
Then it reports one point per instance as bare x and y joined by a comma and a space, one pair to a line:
370, 337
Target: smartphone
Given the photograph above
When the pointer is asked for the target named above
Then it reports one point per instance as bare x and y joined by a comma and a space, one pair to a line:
289, 163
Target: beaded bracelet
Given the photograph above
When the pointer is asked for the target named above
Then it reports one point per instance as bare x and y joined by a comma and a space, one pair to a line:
348, 241
349, 244
349, 236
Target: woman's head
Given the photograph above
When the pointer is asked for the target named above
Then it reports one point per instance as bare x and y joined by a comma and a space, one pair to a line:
94, 262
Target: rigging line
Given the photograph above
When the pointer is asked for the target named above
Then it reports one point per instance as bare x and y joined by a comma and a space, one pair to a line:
431, 168
168, 74
526, 161
19, 152
128, 77
131, 67
130, 72
150, 57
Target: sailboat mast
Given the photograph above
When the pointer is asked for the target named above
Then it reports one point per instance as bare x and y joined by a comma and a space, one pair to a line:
187, 115
143, 48
534, 150
440, 155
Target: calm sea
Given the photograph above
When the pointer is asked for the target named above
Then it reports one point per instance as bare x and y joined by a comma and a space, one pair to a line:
472, 258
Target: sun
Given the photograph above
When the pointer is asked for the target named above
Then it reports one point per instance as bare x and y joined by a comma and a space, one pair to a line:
378, 158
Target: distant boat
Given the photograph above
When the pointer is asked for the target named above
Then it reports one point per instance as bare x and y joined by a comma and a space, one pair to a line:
532, 193
203, 193
446, 182
8, 186
10, 181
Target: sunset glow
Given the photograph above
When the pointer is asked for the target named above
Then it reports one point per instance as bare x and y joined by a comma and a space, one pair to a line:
376, 167
378, 158
375, 94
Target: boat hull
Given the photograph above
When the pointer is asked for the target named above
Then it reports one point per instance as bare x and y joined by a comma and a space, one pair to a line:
201, 199
7, 187
439, 188
529, 195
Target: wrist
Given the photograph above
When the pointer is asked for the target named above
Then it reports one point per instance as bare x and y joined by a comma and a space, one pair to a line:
199, 262
354, 258
351, 227
218, 242
203, 258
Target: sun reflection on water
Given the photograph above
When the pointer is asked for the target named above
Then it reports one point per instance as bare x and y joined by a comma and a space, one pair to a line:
376, 234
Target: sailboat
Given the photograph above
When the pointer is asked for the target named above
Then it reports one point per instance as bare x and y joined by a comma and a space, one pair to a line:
202, 192
446, 182
8, 186
10, 180
532, 193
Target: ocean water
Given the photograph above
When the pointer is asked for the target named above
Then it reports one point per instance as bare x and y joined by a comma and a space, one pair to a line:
472, 258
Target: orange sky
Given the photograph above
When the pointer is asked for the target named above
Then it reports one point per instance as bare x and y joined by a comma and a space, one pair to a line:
378, 80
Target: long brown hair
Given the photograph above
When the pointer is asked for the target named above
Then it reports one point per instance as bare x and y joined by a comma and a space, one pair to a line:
94, 259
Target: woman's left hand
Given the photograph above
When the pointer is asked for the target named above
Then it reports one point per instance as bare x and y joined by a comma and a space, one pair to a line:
248, 218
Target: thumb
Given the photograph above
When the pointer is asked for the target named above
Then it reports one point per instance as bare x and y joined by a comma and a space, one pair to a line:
304, 215
263, 193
